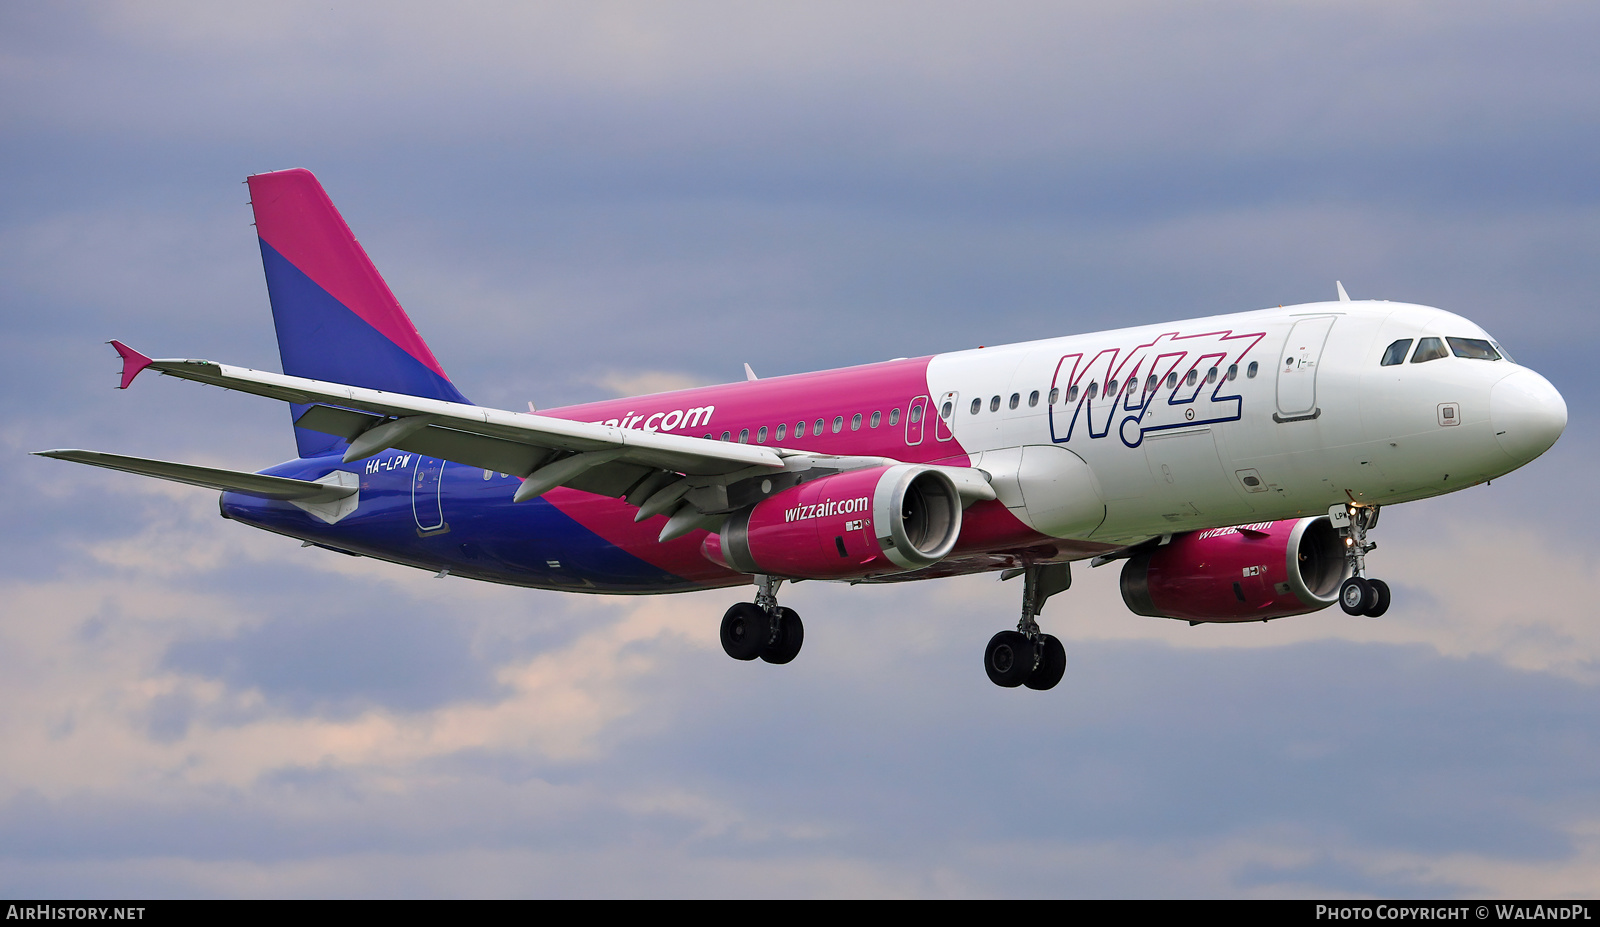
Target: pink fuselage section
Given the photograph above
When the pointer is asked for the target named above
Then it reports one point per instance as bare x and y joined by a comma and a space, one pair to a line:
879, 410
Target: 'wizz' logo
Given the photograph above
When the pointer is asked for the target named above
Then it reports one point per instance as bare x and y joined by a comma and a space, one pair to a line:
1166, 383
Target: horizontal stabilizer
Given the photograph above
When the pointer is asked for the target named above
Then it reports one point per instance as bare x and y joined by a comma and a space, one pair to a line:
251, 484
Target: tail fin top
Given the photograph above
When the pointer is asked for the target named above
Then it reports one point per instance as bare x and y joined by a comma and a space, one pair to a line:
335, 316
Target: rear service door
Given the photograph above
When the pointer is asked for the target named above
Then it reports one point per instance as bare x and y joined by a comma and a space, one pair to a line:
426, 481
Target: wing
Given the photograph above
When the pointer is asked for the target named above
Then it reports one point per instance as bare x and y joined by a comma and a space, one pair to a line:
695, 480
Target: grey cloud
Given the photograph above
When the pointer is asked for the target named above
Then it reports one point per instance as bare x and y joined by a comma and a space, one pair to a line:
1362, 751
561, 195
340, 662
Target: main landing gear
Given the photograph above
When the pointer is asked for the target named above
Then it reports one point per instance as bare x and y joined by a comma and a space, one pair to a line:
1026, 657
763, 628
1361, 595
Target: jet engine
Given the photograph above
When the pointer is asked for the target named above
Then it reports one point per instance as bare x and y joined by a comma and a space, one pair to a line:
858, 523
1245, 573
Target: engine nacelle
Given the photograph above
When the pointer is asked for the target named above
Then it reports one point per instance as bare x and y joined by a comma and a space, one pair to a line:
858, 523
1248, 573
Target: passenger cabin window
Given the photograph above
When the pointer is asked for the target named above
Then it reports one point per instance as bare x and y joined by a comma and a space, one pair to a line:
1211, 375
1395, 353
1192, 378
877, 417
976, 405
744, 436
948, 408
1094, 390
1473, 349
1172, 380
1150, 382
838, 424
855, 422
1033, 399
816, 428
1055, 394
1015, 399
781, 430
726, 435
799, 429
1072, 393
894, 417
916, 414
1429, 349
994, 404
1111, 387
1233, 371
1250, 371
761, 435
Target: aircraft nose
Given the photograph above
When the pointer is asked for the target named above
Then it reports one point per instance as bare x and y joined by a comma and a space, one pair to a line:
1527, 413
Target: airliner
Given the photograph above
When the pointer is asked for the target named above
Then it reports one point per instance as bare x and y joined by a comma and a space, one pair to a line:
1236, 464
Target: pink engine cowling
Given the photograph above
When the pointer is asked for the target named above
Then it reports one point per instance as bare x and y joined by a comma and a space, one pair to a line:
1247, 573
859, 523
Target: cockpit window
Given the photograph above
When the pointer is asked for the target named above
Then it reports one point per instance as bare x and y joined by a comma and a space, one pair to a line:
1473, 348
1429, 349
1396, 353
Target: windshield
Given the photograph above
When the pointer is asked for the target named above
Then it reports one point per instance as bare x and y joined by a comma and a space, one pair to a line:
1473, 348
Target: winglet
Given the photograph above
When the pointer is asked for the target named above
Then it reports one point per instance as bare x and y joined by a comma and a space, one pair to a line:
1343, 296
132, 362
748, 373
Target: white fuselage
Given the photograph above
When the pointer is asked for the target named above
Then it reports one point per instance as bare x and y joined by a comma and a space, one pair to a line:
1309, 419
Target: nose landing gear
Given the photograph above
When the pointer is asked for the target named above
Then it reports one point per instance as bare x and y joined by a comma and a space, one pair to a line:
1359, 595
763, 628
1027, 657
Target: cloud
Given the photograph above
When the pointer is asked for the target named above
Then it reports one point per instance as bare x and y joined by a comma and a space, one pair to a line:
621, 197
641, 382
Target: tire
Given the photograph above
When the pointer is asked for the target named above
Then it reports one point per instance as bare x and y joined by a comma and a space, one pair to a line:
791, 634
1356, 596
1380, 598
1051, 668
1008, 659
744, 631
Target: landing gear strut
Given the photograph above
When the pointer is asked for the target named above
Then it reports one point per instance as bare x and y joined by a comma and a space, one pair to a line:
763, 628
1360, 594
1026, 657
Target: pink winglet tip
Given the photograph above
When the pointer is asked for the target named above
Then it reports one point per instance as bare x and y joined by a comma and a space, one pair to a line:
132, 363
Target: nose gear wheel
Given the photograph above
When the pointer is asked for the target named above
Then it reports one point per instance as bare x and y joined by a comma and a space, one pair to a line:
1361, 594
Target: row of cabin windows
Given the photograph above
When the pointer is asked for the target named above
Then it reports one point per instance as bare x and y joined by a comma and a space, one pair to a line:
820, 426
1427, 349
1113, 385
1434, 348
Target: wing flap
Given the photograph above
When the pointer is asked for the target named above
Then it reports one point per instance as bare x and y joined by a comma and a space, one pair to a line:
495, 454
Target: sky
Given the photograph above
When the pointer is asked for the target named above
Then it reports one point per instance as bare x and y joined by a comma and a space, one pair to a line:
583, 200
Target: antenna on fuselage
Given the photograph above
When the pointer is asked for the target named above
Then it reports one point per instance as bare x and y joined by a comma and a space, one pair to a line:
1343, 296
